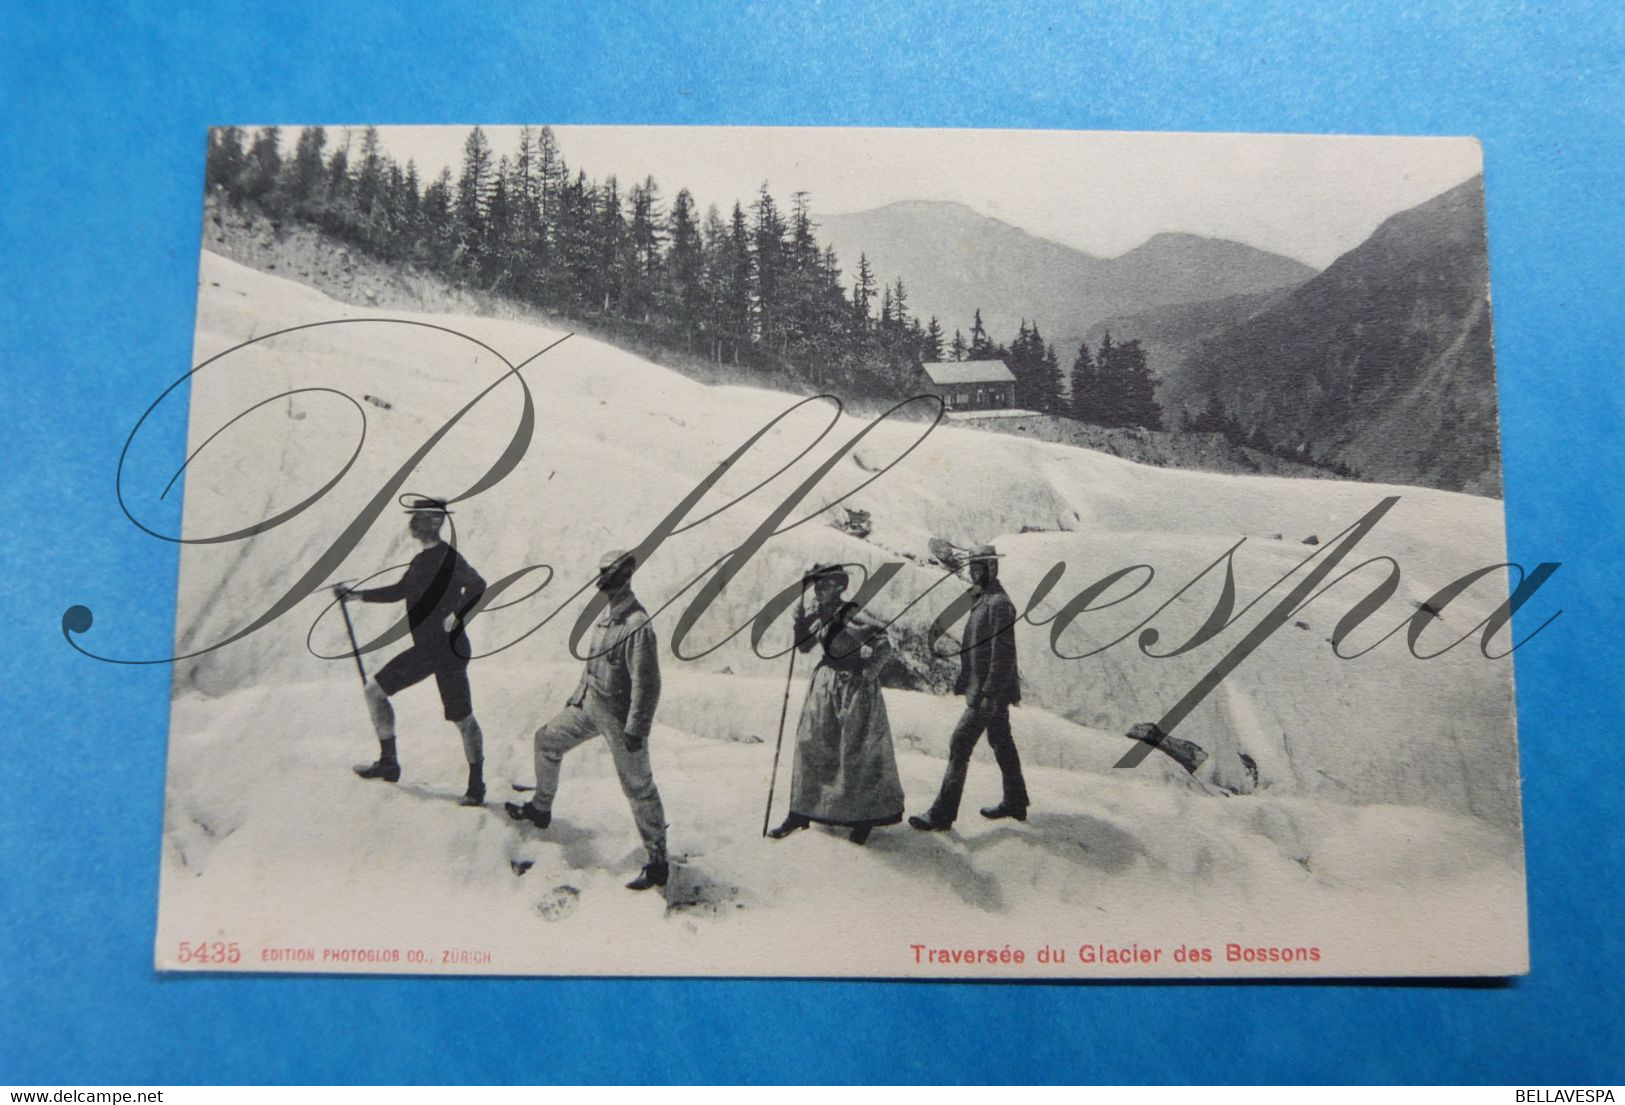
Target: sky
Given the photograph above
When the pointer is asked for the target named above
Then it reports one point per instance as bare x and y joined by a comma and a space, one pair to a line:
1309, 197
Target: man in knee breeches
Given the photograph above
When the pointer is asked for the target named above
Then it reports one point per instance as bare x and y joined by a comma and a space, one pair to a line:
440, 590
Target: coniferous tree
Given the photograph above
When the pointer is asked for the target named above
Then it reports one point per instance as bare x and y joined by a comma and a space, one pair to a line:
495, 270
683, 287
931, 344
526, 186
804, 281
338, 205
1022, 362
714, 243
1108, 406
392, 227
915, 341
226, 158
473, 197
803, 239
899, 304
757, 289
523, 245
1050, 375
552, 175
611, 248
369, 172
863, 293
1123, 392
1083, 383
264, 166
520, 252
574, 258
736, 292
831, 334
305, 172
769, 264
1139, 395
1031, 362
644, 235
439, 232
411, 199
982, 347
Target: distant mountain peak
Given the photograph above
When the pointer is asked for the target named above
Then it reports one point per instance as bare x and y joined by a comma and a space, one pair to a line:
916, 209
925, 205
1188, 243
955, 260
1169, 236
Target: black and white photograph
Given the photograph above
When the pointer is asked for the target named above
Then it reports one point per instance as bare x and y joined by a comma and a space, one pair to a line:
821, 552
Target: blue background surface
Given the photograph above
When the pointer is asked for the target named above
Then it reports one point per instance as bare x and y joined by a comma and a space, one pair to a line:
101, 162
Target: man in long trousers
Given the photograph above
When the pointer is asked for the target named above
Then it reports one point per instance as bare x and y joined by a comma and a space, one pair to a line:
991, 684
616, 698
439, 589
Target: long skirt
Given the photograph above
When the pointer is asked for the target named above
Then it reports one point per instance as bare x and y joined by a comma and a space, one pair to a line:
845, 771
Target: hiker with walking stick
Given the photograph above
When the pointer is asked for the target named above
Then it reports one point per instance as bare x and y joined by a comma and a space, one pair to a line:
439, 589
844, 771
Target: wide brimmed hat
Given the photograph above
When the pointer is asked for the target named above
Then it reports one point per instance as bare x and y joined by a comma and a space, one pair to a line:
422, 504
982, 552
826, 571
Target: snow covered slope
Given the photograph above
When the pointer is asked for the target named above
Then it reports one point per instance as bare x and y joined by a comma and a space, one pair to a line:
1387, 794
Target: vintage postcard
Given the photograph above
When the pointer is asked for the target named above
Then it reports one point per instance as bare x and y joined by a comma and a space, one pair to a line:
839, 552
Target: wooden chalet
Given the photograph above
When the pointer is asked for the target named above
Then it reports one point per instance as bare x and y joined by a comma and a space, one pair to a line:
972, 385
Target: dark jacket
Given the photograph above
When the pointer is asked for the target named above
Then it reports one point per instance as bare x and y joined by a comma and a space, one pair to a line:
987, 664
437, 582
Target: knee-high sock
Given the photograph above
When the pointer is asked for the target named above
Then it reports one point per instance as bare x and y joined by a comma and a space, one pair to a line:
383, 714
473, 740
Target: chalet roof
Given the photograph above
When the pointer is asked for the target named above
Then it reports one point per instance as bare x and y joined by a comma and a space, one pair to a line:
968, 372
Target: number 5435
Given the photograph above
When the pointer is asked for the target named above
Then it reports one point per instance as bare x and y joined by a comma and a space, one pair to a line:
214, 952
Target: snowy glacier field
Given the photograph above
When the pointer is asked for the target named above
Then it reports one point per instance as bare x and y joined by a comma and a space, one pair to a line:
1382, 830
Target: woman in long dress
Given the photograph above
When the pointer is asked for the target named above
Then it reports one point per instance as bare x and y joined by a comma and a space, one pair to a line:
845, 772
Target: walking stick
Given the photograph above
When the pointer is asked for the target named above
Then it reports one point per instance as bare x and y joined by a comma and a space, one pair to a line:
355, 649
784, 710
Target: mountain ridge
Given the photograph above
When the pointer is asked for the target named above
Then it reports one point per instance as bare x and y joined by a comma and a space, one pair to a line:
957, 207
955, 260
1382, 362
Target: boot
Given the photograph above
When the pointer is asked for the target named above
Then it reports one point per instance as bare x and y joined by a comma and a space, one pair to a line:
794, 823
475, 795
524, 811
1003, 810
654, 873
387, 767
929, 823
860, 835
